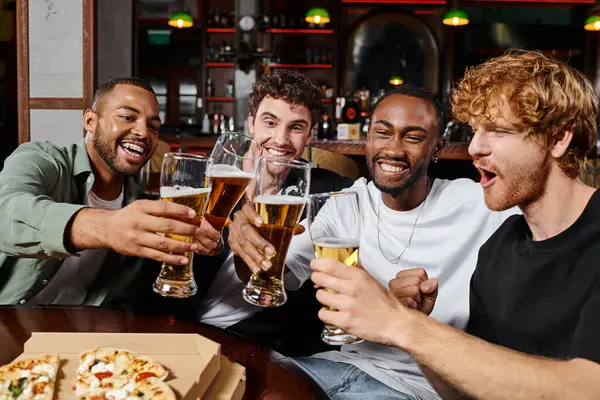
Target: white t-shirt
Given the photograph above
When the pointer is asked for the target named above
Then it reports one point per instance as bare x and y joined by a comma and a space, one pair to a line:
71, 283
453, 225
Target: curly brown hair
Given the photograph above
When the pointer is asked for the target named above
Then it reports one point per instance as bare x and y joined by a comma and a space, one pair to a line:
290, 86
546, 95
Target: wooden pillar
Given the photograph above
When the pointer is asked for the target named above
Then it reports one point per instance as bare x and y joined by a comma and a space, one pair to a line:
55, 68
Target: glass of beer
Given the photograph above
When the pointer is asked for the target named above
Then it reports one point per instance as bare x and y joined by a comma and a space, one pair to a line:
282, 188
334, 221
183, 180
235, 159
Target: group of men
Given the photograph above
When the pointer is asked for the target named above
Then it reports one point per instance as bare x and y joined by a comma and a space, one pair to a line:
466, 290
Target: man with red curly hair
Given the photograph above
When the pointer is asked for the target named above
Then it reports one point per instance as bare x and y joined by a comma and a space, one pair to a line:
535, 294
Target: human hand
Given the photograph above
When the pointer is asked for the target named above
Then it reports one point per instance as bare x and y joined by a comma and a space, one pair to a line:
415, 289
364, 307
209, 239
136, 230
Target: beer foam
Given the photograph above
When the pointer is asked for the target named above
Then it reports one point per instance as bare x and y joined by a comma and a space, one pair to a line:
336, 243
177, 191
275, 199
228, 171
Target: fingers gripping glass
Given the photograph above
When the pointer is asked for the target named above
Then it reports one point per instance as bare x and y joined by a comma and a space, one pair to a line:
281, 191
183, 180
235, 159
333, 221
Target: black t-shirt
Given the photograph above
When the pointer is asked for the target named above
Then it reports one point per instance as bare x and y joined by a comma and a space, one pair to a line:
540, 297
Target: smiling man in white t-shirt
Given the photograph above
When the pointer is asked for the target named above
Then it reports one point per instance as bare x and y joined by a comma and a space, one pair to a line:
409, 221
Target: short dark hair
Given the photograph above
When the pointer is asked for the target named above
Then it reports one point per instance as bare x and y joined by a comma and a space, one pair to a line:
290, 86
107, 86
420, 93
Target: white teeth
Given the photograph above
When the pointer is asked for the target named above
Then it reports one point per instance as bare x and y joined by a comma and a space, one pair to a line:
277, 153
390, 168
134, 147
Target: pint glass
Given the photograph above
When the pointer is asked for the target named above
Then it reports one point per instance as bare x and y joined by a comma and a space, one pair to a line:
282, 188
235, 159
334, 221
183, 180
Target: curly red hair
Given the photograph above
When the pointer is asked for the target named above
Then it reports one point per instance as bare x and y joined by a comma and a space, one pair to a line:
546, 95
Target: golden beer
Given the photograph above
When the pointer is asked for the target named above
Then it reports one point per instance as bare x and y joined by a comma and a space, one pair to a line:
228, 185
281, 215
196, 199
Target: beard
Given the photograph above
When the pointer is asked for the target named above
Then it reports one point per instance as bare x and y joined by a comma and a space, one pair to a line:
518, 184
414, 175
110, 155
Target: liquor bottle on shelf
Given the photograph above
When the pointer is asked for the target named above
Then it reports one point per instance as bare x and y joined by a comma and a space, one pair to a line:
231, 124
324, 127
210, 91
217, 18
205, 124
215, 123
222, 127
364, 129
229, 89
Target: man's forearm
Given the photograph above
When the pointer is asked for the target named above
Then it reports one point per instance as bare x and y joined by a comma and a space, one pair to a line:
87, 229
446, 391
485, 371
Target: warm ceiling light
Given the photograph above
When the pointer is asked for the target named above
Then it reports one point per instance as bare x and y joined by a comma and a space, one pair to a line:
456, 17
181, 19
396, 80
317, 16
592, 23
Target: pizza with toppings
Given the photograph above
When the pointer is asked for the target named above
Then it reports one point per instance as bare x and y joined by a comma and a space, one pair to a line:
112, 374
33, 378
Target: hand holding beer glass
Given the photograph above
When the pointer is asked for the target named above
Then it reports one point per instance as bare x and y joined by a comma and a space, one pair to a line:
334, 226
183, 180
235, 159
281, 191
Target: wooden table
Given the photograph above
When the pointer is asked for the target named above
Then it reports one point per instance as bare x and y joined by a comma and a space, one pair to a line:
269, 374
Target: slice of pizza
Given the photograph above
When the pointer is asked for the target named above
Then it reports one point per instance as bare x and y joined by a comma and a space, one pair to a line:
33, 378
112, 374
153, 388
101, 369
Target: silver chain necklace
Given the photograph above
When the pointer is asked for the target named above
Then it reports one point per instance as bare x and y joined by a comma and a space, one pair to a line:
397, 259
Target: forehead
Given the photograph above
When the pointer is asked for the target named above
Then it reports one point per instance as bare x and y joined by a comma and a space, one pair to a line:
402, 110
132, 96
498, 114
283, 110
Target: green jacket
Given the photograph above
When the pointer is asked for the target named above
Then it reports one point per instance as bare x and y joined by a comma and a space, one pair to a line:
42, 186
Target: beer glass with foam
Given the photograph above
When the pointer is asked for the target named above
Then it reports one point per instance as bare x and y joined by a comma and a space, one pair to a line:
333, 221
183, 180
282, 188
235, 159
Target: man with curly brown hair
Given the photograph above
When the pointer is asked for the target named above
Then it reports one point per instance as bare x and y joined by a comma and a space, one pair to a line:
284, 110
535, 294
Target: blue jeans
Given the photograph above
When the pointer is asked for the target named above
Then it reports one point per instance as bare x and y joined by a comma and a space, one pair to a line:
346, 382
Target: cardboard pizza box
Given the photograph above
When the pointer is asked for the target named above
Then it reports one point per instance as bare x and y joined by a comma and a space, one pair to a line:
230, 383
192, 360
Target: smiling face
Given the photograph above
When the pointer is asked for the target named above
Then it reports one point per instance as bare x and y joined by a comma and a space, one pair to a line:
124, 128
281, 128
403, 138
514, 168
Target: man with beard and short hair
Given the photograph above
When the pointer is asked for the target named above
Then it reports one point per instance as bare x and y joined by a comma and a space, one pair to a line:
535, 294
410, 223
69, 215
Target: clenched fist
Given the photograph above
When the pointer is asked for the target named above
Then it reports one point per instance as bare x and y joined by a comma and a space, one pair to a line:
415, 289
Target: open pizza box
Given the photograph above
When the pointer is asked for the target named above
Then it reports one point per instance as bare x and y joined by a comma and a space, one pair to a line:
230, 383
192, 360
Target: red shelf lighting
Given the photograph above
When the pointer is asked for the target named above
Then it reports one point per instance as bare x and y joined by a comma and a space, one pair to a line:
220, 30
326, 101
219, 65
220, 99
303, 66
305, 31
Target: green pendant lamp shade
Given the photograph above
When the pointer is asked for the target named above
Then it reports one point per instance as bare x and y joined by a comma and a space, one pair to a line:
456, 17
396, 80
317, 16
181, 19
592, 23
